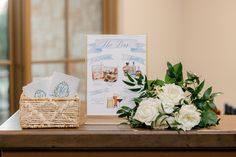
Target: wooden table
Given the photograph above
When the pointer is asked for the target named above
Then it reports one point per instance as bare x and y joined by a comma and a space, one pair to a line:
112, 139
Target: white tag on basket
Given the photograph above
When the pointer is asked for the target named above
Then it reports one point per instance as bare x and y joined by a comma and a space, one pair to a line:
63, 85
37, 89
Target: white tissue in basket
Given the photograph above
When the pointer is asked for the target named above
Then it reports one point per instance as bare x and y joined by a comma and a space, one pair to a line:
57, 85
63, 85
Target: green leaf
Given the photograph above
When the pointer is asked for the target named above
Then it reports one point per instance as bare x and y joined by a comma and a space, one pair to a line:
128, 83
197, 80
136, 124
124, 111
208, 118
188, 81
120, 111
192, 77
169, 80
215, 94
135, 89
137, 100
159, 82
207, 93
122, 115
126, 108
145, 84
130, 78
189, 75
201, 104
143, 95
189, 89
198, 89
146, 80
139, 80
150, 83
124, 123
169, 65
141, 77
212, 106
170, 70
145, 87
174, 74
178, 68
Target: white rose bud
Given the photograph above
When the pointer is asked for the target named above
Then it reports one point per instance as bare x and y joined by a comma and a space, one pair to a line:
187, 97
162, 122
147, 111
188, 117
166, 108
157, 89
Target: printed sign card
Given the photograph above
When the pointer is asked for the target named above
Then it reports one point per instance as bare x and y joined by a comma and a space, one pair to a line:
109, 59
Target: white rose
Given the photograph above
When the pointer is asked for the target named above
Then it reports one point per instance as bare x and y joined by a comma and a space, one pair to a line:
147, 111
171, 93
162, 122
188, 117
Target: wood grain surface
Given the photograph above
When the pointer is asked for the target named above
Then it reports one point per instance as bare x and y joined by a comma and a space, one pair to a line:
115, 136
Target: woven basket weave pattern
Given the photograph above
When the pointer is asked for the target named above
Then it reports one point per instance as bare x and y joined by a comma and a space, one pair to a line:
49, 113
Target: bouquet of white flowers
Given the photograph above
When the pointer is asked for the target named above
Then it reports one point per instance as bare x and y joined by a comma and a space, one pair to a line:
175, 103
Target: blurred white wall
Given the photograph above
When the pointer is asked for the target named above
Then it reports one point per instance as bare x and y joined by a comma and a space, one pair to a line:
199, 33
162, 22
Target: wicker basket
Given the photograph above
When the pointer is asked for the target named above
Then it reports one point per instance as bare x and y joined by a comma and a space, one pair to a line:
49, 112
